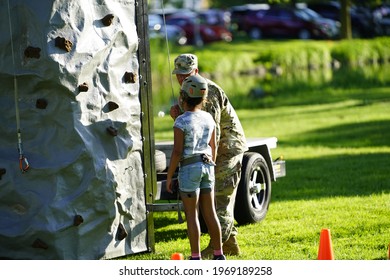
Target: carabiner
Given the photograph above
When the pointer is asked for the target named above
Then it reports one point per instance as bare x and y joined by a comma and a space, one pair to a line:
23, 164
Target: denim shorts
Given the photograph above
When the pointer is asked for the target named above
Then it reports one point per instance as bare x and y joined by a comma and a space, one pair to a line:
196, 177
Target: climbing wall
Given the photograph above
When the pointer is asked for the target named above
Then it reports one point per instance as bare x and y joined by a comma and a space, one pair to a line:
71, 152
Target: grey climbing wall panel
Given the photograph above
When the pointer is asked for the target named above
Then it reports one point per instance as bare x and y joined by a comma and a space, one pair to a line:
72, 164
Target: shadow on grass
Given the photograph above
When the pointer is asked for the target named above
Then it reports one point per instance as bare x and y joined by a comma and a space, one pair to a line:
346, 175
353, 135
341, 175
168, 234
165, 220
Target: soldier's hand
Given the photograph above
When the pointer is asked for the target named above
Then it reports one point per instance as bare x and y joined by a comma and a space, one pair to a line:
175, 111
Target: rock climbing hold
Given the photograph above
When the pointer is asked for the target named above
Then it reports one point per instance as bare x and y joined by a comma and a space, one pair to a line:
112, 106
112, 131
130, 77
63, 44
78, 220
121, 232
83, 87
41, 103
2, 172
38, 243
32, 52
19, 209
107, 20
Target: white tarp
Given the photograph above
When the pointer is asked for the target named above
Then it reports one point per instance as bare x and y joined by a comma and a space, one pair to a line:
79, 118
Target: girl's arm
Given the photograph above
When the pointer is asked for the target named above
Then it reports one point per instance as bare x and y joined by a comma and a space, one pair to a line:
178, 140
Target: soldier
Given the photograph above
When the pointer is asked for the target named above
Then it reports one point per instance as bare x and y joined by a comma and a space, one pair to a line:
231, 145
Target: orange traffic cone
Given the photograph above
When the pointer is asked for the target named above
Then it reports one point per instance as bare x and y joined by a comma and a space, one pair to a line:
325, 250
177, 256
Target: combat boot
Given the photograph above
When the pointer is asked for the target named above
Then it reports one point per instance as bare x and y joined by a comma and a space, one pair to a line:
230, 247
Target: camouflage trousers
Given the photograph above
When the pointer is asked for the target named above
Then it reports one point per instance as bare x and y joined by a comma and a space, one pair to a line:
227, 178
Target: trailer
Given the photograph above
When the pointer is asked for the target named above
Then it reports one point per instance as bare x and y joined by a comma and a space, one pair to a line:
253, 197
80, 171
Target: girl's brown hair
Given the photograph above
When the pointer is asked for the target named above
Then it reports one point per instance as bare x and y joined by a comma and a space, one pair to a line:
191, 101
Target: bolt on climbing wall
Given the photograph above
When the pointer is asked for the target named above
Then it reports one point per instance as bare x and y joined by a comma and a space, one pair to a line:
71, 175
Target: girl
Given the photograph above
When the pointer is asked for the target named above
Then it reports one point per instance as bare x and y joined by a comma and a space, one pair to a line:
195, 150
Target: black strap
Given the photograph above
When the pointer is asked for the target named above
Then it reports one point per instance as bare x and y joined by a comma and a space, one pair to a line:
191, 160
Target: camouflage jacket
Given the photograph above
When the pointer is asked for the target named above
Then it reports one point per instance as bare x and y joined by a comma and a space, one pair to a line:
230, 134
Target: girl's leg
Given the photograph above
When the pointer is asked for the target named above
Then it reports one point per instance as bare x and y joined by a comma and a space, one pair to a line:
190, 203
206, 203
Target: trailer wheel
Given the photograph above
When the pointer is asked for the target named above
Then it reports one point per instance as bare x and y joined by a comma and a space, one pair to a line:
254, 191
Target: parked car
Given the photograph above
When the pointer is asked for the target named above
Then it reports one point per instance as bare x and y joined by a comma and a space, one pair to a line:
215, 17
330, 26
197, 31
281, 21
239, 13
382, 17
362, 20
157, 29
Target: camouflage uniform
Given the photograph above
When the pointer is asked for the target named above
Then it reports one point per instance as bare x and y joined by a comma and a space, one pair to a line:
231, 143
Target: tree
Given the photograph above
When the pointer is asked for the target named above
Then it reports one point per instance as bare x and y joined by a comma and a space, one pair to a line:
346, 28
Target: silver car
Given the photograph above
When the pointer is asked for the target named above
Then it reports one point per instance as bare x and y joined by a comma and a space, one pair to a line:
158, 29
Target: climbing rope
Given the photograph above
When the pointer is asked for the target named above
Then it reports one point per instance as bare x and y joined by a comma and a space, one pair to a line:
180, 218
168, 51
23, 162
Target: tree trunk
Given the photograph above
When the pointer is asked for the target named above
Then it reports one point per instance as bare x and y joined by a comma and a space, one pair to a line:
345, 16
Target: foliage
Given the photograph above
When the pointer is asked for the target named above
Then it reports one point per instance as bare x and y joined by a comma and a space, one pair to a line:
304, 64
361, 52
240, 55
298, 55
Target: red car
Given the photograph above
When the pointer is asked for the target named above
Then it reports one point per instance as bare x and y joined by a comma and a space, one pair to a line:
198, 32
283, 22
